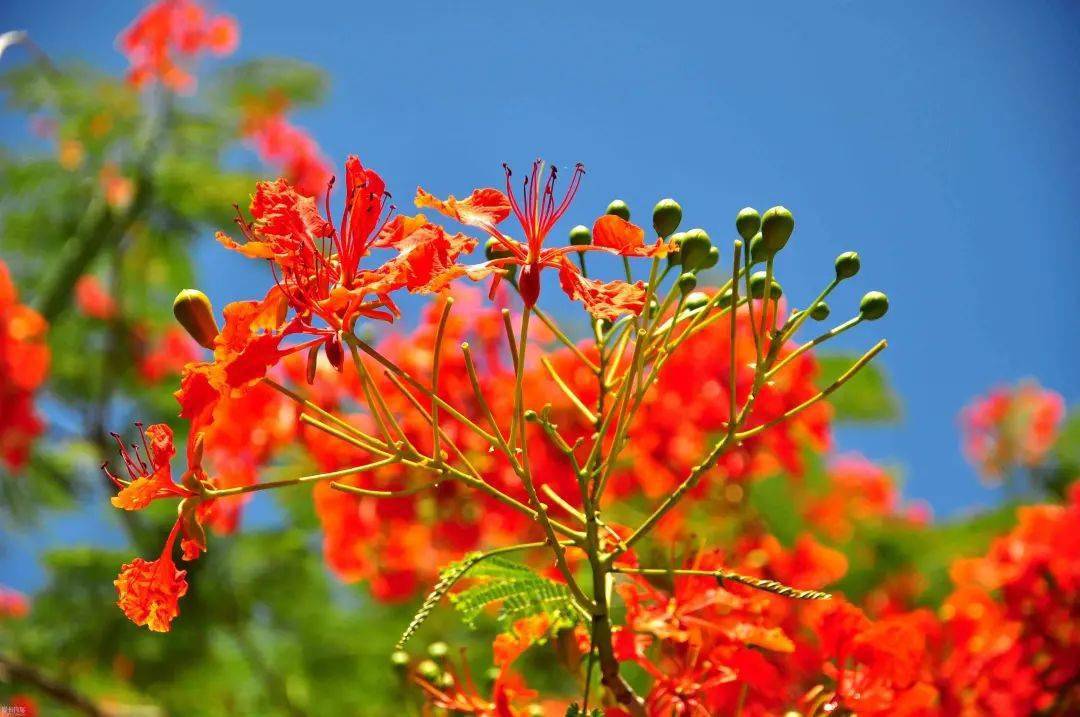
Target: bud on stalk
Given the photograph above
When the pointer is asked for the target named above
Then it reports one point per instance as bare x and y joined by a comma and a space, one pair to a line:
195, 313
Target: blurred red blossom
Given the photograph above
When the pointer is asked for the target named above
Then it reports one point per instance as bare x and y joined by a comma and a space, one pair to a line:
291, 150
1011, 428
24, 364
13, 604
168, 35
92, 299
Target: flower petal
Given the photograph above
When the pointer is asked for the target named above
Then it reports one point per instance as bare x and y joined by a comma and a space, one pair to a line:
623, 238
604, 300
481, 208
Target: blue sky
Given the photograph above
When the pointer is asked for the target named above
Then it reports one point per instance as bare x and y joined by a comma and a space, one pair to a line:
938, 139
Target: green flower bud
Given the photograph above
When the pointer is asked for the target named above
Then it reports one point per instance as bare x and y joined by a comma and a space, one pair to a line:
654, 306
399, 660
492, 674
820, 312
438, 650
711, 258
666, 216
873, 306
695, 249
695, 300
757, 249
580, 236
195, 313
776, 228
428, 670
725, 299
674, 258
446, 681
757, 286
748, 223
687, 283
847, 265
619, 208
494, 249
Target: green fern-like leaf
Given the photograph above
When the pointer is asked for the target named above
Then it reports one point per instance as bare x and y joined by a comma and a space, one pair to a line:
518, 591
448, 576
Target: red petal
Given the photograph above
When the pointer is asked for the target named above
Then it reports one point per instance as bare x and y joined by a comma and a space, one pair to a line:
482, 207
604, 300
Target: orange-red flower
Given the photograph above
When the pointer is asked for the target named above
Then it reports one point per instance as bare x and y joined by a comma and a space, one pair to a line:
167, 355
1011, 428
92, 299
13, 604
150, 591
537, 211
317, 265
167, 36
148, 468
24, 363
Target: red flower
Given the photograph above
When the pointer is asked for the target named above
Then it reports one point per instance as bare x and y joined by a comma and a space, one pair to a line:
247, 346
148, 469
317, 265
150, 591
1011, 428
24, 363
13, 604
537, 212
92, 300
168, 34
168, 355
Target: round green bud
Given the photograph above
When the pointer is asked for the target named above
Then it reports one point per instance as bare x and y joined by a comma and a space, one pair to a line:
619, 208
580, 236
847, 265
694, 249
492, 674
757, 286
674, 258
820, 312
711, 258
725, 299
399, 660
748, 223
428, 669
776, 227
687, 283
873, 306
438, 650
654, 306
695, 300
666, 216
757, 249
446, 681
494, 249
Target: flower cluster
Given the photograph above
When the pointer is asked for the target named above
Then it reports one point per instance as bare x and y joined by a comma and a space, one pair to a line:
170, 34
425, 451
1011, 429
24, 364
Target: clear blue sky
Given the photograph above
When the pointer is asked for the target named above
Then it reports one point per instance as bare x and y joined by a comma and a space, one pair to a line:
939, 139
